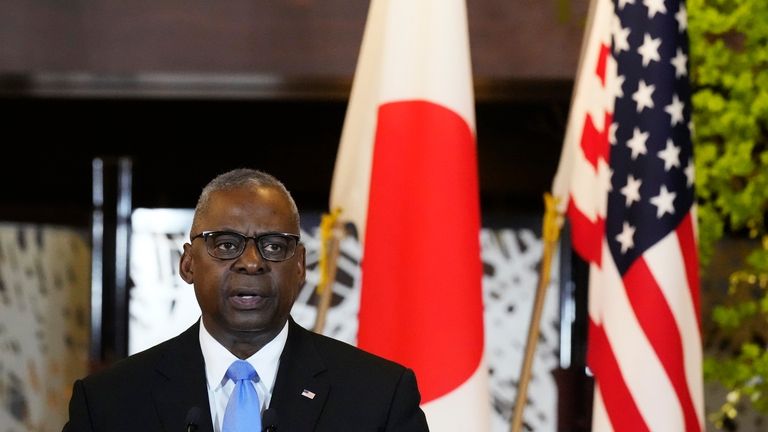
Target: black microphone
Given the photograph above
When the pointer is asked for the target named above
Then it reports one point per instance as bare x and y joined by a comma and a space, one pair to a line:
193, 416
269, 420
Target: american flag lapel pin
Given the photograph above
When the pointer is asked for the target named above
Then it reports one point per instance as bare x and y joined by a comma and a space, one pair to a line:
308, 394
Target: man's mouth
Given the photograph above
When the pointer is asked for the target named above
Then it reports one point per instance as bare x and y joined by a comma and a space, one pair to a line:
247, 300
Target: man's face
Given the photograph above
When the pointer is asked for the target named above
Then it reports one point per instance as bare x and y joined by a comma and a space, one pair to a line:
248, 293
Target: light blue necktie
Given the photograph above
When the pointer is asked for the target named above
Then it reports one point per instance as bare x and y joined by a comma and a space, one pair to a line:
243, 412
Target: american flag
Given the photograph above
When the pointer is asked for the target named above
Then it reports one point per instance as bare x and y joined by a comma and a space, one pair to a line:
625, 181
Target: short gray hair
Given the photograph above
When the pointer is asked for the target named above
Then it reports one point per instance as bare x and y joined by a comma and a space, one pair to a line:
238, 178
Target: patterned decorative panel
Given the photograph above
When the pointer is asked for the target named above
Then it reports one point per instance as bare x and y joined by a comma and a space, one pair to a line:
44, 323
162, 304
511, 259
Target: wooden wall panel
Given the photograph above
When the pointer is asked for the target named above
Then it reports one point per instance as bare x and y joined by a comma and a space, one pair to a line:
510, 39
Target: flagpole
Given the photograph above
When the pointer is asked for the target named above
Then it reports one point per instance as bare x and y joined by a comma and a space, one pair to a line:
329, 255
550, 233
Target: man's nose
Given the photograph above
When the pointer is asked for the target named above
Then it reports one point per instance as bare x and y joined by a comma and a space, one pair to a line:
251, 259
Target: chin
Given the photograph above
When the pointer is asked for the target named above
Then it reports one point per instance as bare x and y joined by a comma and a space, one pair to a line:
251, 325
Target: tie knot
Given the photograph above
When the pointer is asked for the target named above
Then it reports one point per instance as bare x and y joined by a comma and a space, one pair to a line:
241, 370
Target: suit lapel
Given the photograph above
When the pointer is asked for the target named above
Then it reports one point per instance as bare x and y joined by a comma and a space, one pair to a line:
181, 384
300, 387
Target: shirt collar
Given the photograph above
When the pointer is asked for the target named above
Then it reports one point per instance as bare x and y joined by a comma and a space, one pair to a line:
218, 359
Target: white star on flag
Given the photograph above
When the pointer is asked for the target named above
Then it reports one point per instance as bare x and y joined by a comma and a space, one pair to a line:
654, 7
620, 37
626, 237
663, 202
632, 190
689, 173
637, 143
670, 155
649, 50
604, 175
614, 88
643, 95
682, 18
675, 110
680, 62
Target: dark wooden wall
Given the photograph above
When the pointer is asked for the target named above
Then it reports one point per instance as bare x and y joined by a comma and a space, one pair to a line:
510, 39
249, 83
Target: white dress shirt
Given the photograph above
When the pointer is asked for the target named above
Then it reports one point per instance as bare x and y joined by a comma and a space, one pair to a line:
217, 361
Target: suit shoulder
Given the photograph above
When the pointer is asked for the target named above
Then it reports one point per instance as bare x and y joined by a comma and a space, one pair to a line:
132, 368
350, 357
369, 392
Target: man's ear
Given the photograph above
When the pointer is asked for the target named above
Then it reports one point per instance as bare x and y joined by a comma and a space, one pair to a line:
301, 263
185, 264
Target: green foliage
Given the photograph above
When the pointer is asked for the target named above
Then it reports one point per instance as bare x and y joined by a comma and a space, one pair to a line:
742, 367
729, 74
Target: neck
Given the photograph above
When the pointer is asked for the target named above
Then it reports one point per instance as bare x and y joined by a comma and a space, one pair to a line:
245, 343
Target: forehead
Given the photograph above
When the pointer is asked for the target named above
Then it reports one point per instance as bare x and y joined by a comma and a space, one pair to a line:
248, 209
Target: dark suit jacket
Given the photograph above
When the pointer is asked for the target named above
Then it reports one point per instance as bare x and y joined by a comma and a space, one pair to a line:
155, 390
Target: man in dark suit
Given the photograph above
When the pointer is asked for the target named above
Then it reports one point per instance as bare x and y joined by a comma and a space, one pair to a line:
247, 266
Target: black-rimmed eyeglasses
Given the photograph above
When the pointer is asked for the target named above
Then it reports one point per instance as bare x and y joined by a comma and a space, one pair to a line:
227, 245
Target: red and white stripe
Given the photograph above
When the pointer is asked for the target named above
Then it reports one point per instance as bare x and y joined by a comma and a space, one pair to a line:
644, 337
406, 176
